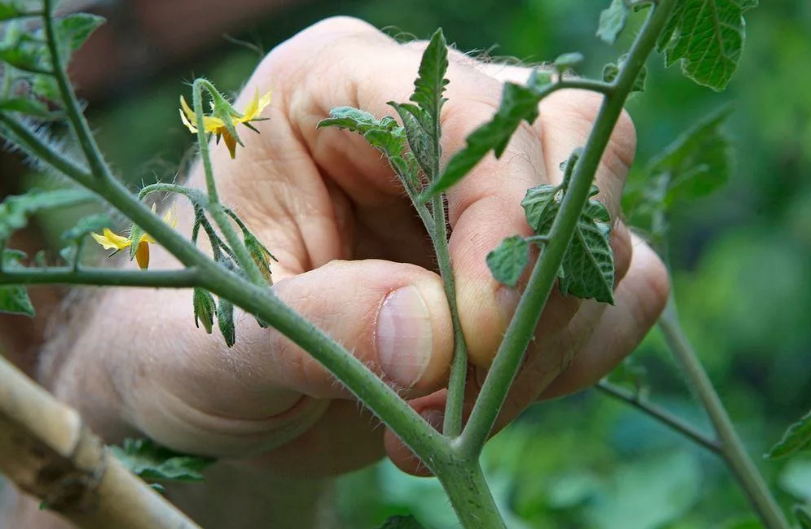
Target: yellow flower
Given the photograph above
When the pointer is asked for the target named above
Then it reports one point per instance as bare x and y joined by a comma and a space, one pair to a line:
112, 241
217, 126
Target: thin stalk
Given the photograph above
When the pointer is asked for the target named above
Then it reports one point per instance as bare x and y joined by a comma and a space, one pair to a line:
470, 495
188, 278
522, 328
196, 196
660, 414
732, 448
95, 160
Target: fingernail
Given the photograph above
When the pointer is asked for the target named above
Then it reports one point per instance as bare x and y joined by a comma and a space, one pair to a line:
404, 336
507, 299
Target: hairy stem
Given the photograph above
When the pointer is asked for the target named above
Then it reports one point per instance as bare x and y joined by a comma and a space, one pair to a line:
469, 494
522, 327
660, 414
188, 278
732, 448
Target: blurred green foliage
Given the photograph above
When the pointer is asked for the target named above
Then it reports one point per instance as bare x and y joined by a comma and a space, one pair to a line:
741, 260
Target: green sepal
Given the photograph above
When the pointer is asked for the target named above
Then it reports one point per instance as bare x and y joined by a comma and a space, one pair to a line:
508, 261
204, 309
14, 298
612, 21
150, 461
225, 322
260, 255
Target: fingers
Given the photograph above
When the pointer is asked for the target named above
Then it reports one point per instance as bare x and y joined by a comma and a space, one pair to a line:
189, 391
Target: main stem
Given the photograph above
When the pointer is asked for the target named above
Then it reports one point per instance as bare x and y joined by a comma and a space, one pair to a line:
522, 328
470, 495
732, 448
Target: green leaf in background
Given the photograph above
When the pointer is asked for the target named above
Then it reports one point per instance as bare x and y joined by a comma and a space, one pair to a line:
150, 461
698, 162
26, 58
612, 21
14, 298
508, 261
8, 11
587, 270
568, 60
402, 522
85, 226
803, 516
796, 438
73, 31
707, 36
612, 70
15, 210
518, 103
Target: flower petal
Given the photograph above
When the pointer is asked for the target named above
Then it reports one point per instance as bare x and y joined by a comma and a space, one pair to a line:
111, 241
188, 124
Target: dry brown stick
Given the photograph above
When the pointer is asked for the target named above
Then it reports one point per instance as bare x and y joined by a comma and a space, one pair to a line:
47, 451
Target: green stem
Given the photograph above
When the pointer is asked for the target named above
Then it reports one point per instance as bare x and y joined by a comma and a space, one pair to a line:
454, 405
196, 197
522, 328
95, 160
469, 494
661, 415
187, 278
732, 448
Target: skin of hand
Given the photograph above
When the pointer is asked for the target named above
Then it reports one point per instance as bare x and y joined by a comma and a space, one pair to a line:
354, 259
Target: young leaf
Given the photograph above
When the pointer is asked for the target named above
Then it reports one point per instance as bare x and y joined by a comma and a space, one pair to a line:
518, 103
85, 226
568, 60
587, 270
386, 135
508, 261
707, 36
74, 30
612, 21
417, 130
31, 107
402, 522
27, 59
796, 439
698, 162
612, 70
146, 459
15, 210
431, 82
14, 298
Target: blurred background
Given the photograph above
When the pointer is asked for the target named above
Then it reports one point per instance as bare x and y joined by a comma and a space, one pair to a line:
741, 258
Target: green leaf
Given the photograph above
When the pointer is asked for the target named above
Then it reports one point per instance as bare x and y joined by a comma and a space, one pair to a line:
85, 226
431, 82
402, 522
587, 270
15, 210
74, 30
26, 58
225, 322
796, 439
707, 36
386, 135
8, 11
26, 106
612, 21
612, 70
150, 461
508, 261
417, 130
698, 162
518, 103
14, 298
803, 516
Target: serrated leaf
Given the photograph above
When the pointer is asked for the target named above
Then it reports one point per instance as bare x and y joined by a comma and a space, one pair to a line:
150, 461
14, 298
612, 70
707, 37
518, 103
431, 82
587, 270
15, 210
417, 131
508, 261
386, 134
698, 162
25, 106
612, 21
74, 30
796, 439
402, 522
803, 516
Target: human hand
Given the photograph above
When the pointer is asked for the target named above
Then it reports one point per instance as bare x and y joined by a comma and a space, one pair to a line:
355, 260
